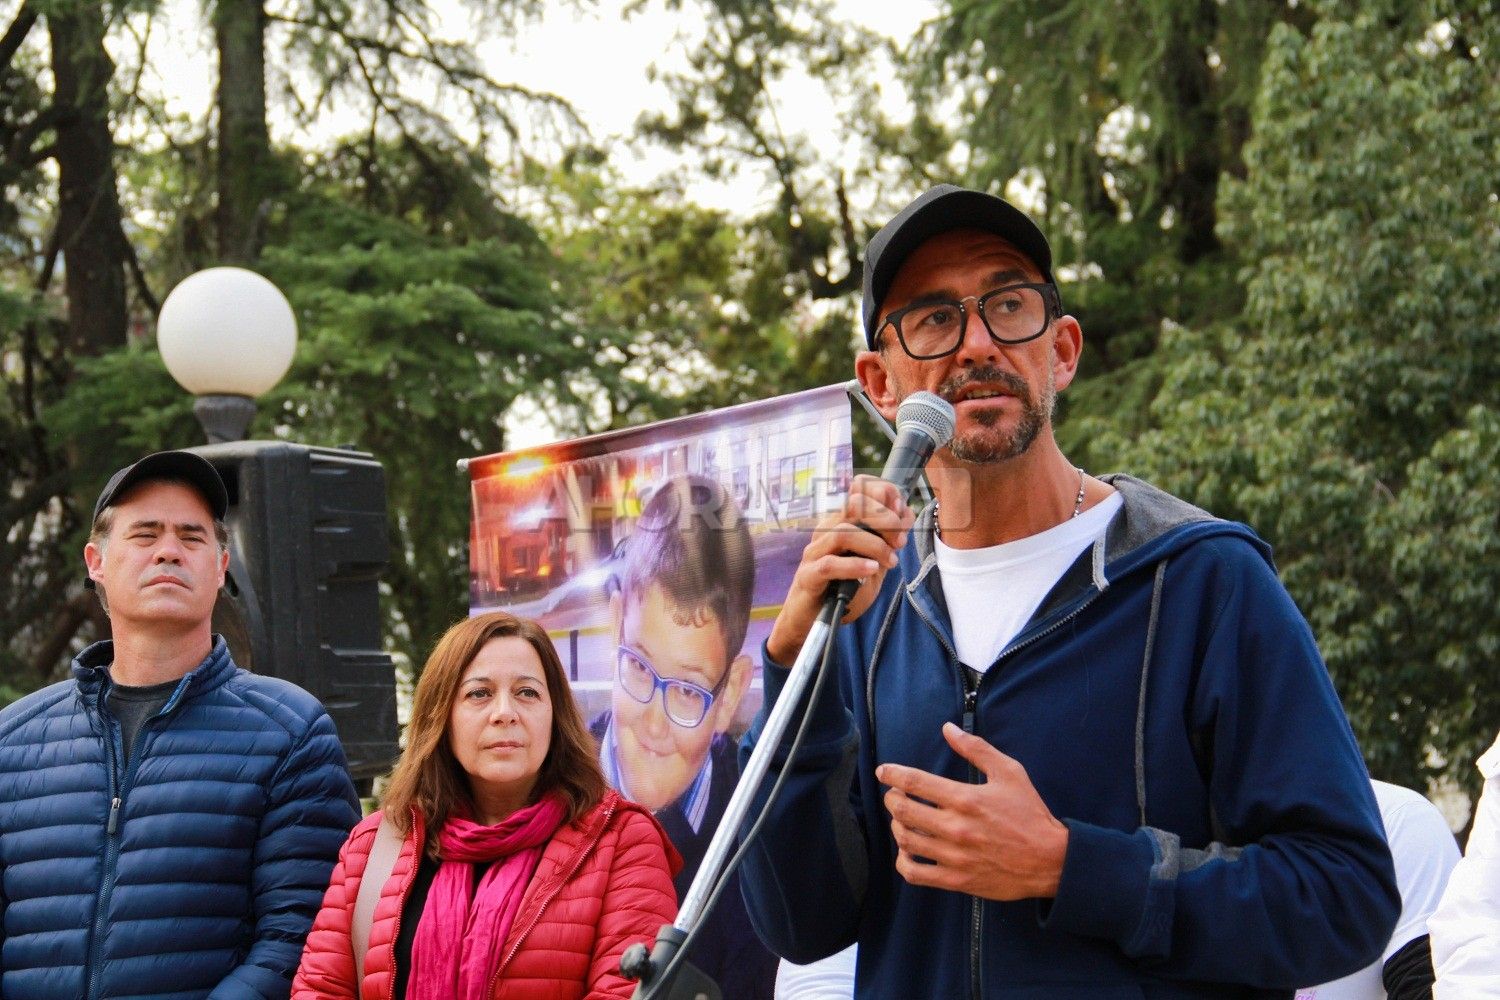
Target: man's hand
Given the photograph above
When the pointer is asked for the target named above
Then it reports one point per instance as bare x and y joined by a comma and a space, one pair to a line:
997, 840
858, 543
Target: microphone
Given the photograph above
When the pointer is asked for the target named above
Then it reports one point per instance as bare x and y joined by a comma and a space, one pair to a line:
924, 423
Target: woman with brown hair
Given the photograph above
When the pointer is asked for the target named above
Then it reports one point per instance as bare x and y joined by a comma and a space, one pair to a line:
518, 872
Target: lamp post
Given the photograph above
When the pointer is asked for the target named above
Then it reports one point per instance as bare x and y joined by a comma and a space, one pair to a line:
226, 335
307, 524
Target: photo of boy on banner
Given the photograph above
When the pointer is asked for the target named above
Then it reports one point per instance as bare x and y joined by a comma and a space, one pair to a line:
681, 606
656, 557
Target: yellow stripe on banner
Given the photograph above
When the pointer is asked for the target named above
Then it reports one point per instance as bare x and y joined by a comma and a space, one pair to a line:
756, 614
563, 633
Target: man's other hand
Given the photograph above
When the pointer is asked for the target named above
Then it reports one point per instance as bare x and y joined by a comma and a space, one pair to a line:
996, 840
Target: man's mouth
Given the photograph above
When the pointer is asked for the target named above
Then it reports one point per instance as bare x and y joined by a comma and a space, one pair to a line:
984, 384
974, 394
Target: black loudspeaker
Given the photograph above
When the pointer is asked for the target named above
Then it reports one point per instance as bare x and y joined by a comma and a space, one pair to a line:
301, 601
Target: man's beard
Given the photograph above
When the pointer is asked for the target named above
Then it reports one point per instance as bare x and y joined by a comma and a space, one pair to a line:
988, 444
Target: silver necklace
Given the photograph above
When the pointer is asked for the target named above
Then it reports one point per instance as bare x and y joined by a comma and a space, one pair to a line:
1077, 504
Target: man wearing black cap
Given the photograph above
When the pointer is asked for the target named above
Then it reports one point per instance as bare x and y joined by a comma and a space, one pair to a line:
168, 822
1081, 743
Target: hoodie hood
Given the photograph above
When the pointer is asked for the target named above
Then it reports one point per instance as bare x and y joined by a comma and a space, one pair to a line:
1152, 525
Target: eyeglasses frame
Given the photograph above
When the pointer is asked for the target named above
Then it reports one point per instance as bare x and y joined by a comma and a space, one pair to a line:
1051, 306
659, 684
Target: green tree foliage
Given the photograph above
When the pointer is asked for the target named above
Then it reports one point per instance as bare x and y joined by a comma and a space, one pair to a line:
424, 307
421, 319
1350, 412
778, 310
63, 294
423, 322
1125, 117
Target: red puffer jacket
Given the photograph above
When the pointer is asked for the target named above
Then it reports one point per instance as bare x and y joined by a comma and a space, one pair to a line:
604, 882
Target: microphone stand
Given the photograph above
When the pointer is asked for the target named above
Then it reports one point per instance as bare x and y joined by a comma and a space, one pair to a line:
924, 423
665, 974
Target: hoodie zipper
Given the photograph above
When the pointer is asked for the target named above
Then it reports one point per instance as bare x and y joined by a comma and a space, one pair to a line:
578, 860
976, 905
970, 705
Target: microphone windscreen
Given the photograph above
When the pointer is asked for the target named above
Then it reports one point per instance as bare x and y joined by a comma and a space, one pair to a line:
929, 414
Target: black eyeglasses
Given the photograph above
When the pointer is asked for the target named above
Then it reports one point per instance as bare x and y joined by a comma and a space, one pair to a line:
1013, 314
685, 703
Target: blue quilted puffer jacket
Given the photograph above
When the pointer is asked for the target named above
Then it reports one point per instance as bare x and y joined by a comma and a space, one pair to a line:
196, 870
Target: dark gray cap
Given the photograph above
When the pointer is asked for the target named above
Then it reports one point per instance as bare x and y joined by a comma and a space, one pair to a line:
939, 210
183, 465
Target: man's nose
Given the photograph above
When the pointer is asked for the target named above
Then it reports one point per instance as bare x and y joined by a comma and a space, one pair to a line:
976, 345
169, 550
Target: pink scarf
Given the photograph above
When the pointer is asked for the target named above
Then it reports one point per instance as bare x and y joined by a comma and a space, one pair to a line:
456, 951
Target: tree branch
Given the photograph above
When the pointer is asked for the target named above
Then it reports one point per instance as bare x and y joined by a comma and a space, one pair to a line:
15, 34
71, 616
20, 151
49, 257
139, 277
465, 78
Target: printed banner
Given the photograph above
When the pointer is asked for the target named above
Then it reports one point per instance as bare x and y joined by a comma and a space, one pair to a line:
657, 558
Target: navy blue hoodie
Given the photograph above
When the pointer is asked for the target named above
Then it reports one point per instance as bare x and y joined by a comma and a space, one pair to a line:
1169, 704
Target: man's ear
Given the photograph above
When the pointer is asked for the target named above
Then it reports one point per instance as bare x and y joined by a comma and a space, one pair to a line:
1067, 348
869, 366
740, 669
223, 567
93, 558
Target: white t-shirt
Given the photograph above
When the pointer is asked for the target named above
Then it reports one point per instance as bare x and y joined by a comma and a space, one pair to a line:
1425, 852
830, 978
993, 592
1466, 927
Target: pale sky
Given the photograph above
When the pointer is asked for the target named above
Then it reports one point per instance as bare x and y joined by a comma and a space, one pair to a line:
595, 58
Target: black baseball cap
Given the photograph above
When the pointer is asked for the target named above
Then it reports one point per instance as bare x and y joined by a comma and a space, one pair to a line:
939, 210
184, 465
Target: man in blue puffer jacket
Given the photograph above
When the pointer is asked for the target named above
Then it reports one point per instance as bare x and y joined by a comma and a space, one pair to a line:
168, 821
1079, 742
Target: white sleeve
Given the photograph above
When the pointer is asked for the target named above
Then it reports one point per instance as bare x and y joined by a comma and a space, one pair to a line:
1425, 853
830, 978
1466, 927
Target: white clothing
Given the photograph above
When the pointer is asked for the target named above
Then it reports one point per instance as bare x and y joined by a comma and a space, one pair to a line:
993, 592
830, 978
1425, 852
1466, 927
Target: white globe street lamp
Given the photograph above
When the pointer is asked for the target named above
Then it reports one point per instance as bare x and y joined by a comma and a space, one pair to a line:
226, 335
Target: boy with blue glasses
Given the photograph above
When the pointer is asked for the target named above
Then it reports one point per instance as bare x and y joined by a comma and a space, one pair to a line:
682, 608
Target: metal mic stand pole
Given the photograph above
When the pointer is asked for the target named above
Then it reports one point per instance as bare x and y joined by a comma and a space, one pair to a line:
684, 982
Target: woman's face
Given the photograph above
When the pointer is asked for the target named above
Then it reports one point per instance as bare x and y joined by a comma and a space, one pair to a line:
500, 727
